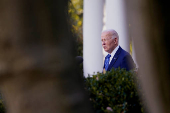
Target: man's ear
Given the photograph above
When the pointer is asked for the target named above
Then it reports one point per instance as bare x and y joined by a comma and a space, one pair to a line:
115, 41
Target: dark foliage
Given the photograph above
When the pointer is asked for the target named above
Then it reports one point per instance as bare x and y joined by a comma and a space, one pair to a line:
116, 90
2, 108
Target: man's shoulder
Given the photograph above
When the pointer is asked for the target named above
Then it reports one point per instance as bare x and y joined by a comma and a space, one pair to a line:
123, 52
127, 59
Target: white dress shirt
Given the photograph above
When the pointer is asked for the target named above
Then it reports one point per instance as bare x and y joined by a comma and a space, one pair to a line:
113, 53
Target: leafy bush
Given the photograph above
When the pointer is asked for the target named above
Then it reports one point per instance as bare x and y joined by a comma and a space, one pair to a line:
114, 91
2, 109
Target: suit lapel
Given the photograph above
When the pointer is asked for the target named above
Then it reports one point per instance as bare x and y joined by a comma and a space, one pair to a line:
115, 57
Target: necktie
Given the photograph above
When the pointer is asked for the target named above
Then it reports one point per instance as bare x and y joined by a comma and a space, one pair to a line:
107, 59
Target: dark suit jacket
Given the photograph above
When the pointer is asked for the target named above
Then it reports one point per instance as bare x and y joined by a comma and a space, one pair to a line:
121, 59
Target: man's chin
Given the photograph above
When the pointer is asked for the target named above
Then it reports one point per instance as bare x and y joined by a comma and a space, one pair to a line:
105, 50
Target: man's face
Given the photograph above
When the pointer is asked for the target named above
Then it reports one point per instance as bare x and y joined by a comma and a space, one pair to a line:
108, 43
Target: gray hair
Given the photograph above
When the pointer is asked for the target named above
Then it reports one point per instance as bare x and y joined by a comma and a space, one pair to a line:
113, 32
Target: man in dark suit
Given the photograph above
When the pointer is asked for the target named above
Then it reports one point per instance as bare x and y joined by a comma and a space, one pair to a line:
117, 57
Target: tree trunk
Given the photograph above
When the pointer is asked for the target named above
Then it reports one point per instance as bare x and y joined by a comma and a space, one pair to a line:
149, 28
37, 71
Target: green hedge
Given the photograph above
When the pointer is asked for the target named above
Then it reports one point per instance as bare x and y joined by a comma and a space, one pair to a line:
114, 92
2, 108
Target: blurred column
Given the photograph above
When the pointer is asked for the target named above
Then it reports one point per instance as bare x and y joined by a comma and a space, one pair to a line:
116, 19
92, 28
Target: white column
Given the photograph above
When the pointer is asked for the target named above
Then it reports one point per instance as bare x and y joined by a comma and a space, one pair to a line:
92, 28
116, 19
